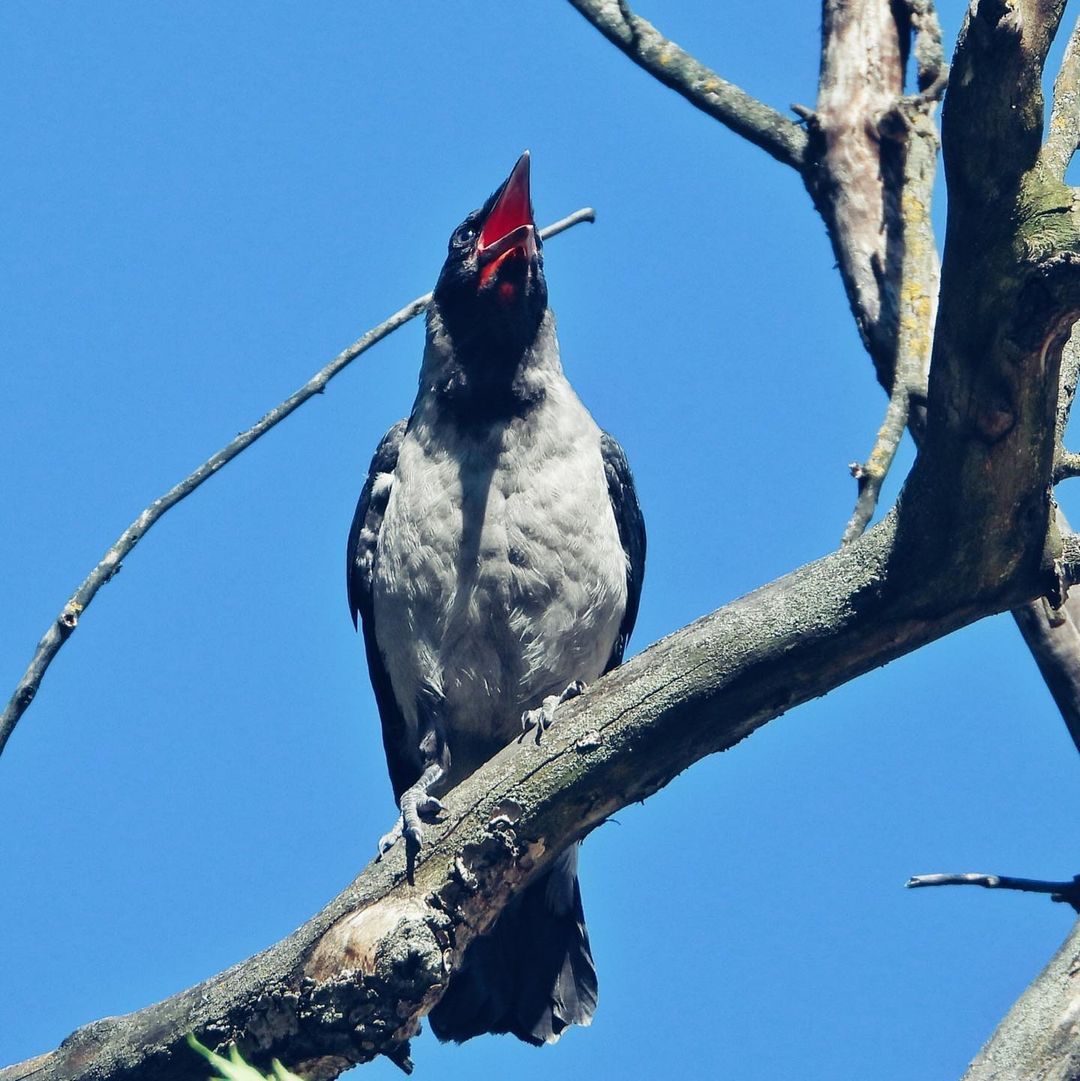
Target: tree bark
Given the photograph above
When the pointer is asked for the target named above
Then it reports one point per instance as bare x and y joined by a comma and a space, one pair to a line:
354, 981
1038, 1037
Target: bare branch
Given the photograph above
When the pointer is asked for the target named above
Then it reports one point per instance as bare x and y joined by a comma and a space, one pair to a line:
703, 88
878, 168
1064, 134
932, 72
872, 473
110, 563
1066, 892
993, 115
876, 152
1037, 1038
354, 981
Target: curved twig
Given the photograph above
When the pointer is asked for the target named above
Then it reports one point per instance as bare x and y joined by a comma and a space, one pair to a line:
762, 125
109, 564
871, 474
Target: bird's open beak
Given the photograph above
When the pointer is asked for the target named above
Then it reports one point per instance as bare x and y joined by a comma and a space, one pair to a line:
509, 226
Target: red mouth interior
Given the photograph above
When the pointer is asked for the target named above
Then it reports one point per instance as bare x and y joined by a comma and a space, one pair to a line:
512, 210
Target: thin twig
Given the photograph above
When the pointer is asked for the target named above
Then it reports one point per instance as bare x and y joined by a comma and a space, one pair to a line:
1066, 892
932, 73
1064, 134
61, 628
872, 473
762, 125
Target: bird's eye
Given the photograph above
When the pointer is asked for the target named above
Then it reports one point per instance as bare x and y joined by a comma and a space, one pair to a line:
466, 234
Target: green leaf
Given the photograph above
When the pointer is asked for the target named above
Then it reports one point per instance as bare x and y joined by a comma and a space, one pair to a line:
234, 1068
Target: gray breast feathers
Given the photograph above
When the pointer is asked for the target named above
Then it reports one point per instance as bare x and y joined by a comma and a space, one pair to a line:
500, 575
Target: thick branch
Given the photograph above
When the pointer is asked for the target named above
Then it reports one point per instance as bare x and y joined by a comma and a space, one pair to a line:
1002, 322
993, 115
355, 980
702, 87
873, 188
876, 152
1037, 1038
62, 627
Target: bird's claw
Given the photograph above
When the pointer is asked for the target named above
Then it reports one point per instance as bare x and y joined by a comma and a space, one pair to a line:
428, 807
543, 716
388, 840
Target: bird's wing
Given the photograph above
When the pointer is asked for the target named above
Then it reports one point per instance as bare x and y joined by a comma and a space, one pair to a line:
620, 482
360, 557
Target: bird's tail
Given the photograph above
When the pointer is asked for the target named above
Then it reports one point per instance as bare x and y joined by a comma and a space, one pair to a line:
533, 973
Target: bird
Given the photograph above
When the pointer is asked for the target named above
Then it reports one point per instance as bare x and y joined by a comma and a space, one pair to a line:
495, 562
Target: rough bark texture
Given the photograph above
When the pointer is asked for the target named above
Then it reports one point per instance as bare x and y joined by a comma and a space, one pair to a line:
1040, 1035
858, 186
354, 981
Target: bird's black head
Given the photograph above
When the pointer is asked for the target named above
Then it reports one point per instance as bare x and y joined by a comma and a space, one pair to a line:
491, 293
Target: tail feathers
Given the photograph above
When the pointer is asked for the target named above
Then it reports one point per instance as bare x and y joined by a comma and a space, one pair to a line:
532, 975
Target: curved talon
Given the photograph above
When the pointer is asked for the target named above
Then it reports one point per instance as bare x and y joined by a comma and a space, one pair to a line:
416, 801
388, 840
543, 716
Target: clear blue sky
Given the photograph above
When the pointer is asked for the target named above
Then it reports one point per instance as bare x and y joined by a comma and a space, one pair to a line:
201, 205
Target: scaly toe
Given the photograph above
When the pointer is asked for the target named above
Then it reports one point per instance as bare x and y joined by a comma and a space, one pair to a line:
388, 840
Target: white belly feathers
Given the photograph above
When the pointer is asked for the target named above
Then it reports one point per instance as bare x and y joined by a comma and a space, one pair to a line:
503, 578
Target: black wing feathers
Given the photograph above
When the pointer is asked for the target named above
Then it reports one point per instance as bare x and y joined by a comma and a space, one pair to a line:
359, 568
628, 518
367, 521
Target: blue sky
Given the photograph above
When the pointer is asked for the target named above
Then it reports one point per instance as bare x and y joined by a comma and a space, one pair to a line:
202, 207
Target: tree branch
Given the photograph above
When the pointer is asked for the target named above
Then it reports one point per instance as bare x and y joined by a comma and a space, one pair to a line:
1064, 133
355, 980
877, 151
109, 565
1037, 1038
871, 474
874, 189
1066, 892
703, 88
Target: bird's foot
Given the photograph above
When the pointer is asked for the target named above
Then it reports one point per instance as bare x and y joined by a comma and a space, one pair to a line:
388, 840
408, 823
543, 716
